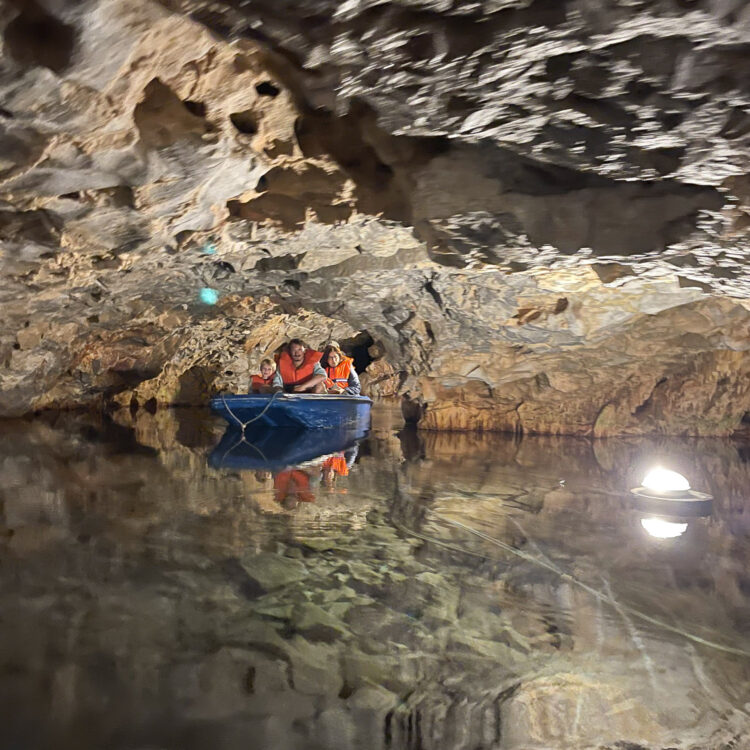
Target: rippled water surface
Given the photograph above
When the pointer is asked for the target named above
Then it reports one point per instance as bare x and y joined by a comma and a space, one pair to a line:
163, 589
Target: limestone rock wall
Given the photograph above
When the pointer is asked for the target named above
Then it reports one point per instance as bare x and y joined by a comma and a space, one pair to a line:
518, 215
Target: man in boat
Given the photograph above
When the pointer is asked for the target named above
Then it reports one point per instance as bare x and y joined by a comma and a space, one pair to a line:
299, 370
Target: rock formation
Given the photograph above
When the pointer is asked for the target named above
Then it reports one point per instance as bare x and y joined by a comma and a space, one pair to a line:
517, 214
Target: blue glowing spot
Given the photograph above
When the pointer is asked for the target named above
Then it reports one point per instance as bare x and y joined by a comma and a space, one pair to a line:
209, 249
209, 296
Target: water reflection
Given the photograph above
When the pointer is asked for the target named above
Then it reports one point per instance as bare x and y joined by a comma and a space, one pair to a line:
272, 449
294, 461
464, 592
662, 528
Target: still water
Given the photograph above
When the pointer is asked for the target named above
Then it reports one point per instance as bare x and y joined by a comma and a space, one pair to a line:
164, 588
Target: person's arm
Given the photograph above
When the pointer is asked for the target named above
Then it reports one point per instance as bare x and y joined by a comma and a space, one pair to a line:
318, 376
277, 384
353, 386
310, 383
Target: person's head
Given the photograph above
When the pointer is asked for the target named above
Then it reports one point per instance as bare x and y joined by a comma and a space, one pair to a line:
267, 368
332, 355
296, 349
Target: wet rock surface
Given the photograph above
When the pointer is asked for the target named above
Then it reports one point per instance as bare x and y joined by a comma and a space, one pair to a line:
523, 216
453, 591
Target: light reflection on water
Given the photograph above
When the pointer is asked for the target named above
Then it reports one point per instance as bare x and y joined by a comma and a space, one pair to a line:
413, 590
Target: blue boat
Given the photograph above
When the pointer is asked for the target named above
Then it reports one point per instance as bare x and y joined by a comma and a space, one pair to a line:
276, 449
300, 410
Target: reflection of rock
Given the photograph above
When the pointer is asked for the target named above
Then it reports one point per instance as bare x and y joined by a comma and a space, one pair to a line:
219, 686
362, 670
314, 623
564, 708
271, 571
343, 632
314, 668
369, 707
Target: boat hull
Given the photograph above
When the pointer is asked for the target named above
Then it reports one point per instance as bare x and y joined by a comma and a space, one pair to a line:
292, 410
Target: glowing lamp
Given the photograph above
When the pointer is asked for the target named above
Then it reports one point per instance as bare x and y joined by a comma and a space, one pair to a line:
667, 495
665, 482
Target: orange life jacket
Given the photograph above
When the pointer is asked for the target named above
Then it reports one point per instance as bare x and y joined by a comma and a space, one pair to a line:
339, 375
338, 464
259, 381
293, 482
292, 375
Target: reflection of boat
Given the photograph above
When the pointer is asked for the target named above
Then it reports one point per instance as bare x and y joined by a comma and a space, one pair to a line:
306, 410
273, 449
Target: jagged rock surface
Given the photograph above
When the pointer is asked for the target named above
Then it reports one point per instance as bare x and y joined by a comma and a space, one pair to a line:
525, 216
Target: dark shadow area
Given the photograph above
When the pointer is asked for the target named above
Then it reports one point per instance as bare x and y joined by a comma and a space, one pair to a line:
37, 226
35, 37
358, 145
743, 430
245, 122
162, 118
553, 205
357, 348
196, 385
266, 88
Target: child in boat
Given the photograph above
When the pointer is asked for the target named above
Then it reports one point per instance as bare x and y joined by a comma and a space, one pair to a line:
263, 383
341, 377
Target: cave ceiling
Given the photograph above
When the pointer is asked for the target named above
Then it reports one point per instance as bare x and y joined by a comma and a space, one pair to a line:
533, 215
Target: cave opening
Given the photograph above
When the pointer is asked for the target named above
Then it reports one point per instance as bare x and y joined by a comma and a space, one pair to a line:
34, 37
266, 88
245, 122
196, 108
357, 347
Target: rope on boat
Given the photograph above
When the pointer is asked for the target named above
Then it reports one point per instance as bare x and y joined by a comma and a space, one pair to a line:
242, 424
